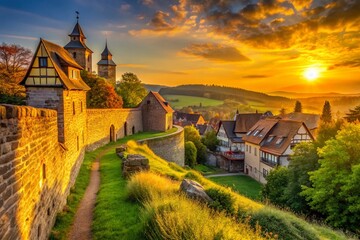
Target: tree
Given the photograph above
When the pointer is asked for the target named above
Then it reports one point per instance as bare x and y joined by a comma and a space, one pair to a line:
282, 112
353, 115
14, 61
102, 93
190, 154
210, 140
131, 90
326, 113
275, 187
298, 107
192, 134
304, 160
327, 131
335, 188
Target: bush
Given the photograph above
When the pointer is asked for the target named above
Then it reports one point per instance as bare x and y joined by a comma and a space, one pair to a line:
190, 154
223, 201
274, 189
210, 140
285, 225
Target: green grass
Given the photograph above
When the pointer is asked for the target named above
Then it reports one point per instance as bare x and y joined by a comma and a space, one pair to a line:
244, 185
184, 101
65, 218
207, 170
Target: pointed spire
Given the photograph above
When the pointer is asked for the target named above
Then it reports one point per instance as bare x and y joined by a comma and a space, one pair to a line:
106, 54
77, 31
77, 16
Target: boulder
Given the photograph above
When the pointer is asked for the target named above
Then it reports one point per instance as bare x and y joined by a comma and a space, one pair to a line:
194, 190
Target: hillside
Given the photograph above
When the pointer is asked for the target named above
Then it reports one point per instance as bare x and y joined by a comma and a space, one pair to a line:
221, 93
154, 88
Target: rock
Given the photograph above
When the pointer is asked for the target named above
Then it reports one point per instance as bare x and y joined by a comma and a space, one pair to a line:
134, 163
194, 190
121, 149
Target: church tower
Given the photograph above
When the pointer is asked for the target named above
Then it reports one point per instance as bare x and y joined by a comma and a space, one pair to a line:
78, 49
106, 66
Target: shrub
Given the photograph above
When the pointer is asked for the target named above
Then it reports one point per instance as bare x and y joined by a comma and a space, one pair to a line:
223, 201
276, 185
190, 154
285, 225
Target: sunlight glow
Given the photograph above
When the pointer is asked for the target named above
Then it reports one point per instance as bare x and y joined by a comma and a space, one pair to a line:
311, 74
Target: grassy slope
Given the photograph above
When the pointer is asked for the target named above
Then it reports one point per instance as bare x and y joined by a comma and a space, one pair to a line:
207, 170
244, 185
65, 218
185, 101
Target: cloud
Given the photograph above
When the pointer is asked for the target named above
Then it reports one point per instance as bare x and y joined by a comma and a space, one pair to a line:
215, 52
132, 65
255, 76
159, 22
19, 37
125, 7
355, 63
147, 2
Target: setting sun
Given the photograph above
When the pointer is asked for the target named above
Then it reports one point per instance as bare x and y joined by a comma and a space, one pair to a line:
311, 73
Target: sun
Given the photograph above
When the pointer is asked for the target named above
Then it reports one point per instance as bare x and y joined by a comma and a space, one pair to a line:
311, 74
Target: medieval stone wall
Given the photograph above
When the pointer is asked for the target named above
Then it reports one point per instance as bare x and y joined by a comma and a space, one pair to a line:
170, 147
105, 125
36, 172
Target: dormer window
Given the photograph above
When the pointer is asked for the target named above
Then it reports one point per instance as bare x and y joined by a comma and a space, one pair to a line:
280, 140
43, 62
249, 133
270, 139
256, 133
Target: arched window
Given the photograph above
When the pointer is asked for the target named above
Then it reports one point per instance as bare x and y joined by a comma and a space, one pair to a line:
73, 108
133, 130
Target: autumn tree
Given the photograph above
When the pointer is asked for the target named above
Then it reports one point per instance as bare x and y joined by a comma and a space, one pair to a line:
102, 93
326, 113
353, 115
131, 90
14, 60
335, 189
192, 134
298, 107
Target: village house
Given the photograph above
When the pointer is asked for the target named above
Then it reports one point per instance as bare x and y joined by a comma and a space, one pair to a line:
188, 119
231, 145
269, 143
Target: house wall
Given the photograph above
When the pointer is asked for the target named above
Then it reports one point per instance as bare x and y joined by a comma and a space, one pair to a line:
252, 161
36, 172
99, 122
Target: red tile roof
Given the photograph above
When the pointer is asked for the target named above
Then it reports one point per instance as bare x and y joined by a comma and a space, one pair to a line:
165, 105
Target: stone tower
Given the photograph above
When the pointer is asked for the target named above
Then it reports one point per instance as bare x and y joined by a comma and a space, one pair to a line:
106, 66
78, 49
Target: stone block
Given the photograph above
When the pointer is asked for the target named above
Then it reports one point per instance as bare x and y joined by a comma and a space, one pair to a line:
120, 149
134, 163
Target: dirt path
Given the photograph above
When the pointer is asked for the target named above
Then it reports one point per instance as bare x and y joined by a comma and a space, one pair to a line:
81, 229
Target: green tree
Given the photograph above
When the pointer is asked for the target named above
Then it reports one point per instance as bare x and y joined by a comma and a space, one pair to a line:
328, 130
210, 140
326, 113
304, 160
14, 60
131, 90
102, 93
192, 134
190, 154
275, 187
353, 115
335, 190
298, 107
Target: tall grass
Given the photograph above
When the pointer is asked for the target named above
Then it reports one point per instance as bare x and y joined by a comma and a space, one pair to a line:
169, 215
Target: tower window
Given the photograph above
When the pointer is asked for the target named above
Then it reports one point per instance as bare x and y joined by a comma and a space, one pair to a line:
43, 62
73, 108
74, 55
77, 143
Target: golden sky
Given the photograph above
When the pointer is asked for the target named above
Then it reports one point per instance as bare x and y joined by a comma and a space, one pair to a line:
264, 45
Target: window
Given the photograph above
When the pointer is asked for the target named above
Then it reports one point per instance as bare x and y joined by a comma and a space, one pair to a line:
279, 141
265, 173
270, 139
249, 149
73, 108
255, 151
256, 133
81, 106
44, 171
255, 170
43, 62
148, 101
250, 168
246, 147
249, 133
74, 55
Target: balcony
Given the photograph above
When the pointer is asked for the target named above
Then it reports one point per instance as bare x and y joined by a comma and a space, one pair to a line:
269, 162
233, 155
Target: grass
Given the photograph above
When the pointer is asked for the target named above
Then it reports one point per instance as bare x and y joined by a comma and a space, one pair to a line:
185, 101
65, 218
244, 185
208, 170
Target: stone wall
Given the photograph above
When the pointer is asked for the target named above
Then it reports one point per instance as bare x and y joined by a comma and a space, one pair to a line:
108, 72
170, 148
36, 171
105, 125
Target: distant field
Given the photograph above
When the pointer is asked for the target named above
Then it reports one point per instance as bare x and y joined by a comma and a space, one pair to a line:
179, 101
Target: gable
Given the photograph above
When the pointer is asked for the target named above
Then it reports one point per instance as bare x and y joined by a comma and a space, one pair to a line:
40, 75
